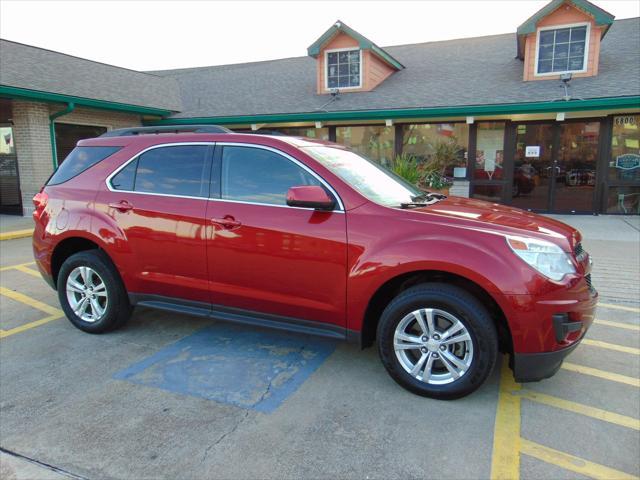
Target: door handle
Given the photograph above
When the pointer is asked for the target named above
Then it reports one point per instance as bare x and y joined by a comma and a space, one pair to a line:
121, 206
227, 222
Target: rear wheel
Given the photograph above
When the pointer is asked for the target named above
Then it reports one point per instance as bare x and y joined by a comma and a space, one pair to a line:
91, 292
438, 341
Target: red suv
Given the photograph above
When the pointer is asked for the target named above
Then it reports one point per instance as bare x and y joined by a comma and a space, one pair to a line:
309, 236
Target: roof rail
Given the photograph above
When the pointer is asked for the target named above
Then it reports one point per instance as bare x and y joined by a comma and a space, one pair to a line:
126, 132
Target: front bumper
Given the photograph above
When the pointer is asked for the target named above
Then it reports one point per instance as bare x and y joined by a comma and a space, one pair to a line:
532, 367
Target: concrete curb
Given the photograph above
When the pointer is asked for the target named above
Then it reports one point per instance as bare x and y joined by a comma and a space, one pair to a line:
16, 234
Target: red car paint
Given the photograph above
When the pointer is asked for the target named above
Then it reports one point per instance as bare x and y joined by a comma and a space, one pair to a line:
321, 266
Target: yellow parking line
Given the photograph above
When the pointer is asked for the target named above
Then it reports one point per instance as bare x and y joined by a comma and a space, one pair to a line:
626, 326
16, 234
582, 409
27, 326
29, 271
619, 307
572, 463
505, 461
12, 267
32, 302
611, 346
594, 372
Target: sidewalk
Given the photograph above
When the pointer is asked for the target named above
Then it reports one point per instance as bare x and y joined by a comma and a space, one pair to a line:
14, 226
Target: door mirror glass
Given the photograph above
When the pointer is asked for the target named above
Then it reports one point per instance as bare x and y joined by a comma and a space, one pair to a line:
310, 196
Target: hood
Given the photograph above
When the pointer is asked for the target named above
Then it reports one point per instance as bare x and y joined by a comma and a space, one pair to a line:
492, 216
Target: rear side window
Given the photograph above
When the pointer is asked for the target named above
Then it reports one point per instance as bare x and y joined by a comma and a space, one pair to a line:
260, 176
79, 160
178, 170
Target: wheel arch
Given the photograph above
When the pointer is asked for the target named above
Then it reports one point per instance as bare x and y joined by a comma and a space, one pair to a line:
394, 286
70, 245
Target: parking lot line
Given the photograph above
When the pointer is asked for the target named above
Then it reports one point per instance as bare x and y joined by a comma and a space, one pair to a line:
32, 302
626, 326
505, 461
611, 346
598, 413
594, 372
16, 234
571, 462
27, 326
619, 307
27, 270
13, 267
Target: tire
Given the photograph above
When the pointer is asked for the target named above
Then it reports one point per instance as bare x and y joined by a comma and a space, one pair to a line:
475, 350
102, 307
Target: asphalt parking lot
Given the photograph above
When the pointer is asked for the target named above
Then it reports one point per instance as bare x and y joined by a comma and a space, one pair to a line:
172, 396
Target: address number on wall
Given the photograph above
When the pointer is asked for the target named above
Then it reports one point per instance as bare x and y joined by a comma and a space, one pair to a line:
626, 120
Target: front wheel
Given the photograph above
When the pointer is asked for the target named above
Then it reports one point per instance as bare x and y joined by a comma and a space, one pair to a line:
438, 341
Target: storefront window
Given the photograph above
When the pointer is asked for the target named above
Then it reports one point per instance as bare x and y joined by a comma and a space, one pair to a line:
624, 200
375, 142
489, 151
490, 193
437, 143
309, 132
624, 164
7, 146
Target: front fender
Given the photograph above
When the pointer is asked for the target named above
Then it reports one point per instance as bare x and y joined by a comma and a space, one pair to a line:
368, 273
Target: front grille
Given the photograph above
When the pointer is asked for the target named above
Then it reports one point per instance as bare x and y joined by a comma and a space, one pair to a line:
578, 250
587, 278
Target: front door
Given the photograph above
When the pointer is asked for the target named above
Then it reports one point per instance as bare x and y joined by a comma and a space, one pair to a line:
265, 256
554, 167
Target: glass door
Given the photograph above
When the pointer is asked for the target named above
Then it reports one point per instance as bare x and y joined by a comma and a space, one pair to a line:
533, 166
575, 181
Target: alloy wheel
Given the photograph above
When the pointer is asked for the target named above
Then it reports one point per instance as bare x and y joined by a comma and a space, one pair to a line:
433, 346
87, 294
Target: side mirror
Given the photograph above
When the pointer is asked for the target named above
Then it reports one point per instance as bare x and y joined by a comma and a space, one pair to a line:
310, 196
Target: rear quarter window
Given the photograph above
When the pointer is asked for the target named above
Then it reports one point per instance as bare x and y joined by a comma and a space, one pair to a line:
79, 160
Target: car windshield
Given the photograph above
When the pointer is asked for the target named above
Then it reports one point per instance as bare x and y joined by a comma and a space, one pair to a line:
373, 181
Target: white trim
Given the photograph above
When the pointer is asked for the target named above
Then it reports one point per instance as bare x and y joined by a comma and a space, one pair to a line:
230, 144
585, 59
326, 67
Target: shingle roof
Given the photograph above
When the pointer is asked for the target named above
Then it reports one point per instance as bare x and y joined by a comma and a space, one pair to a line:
472, 71
33, 68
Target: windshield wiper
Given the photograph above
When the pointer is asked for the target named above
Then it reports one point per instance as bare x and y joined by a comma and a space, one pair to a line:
429, 199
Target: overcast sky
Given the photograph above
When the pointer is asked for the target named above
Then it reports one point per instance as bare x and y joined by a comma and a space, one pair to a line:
148, 35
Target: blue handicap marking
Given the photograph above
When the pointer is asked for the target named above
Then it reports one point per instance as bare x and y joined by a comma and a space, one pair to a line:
246, 367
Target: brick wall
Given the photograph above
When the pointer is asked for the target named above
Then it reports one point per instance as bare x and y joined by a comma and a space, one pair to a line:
33, 144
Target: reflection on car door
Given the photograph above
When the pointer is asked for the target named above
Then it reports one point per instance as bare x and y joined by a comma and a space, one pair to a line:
265, 256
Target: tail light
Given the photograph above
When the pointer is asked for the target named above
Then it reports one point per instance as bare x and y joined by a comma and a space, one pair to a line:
40, 201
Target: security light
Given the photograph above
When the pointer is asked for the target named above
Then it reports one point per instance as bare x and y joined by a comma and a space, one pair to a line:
566, 77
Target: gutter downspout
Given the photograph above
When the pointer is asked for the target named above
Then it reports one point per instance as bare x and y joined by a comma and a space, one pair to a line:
52, 130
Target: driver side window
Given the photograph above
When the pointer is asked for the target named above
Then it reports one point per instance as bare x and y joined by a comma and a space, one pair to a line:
260, 176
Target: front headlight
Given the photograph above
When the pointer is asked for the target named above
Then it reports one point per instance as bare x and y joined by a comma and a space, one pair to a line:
545, 257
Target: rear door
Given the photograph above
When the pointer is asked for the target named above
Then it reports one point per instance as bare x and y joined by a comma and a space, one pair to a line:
265, 256
159, 201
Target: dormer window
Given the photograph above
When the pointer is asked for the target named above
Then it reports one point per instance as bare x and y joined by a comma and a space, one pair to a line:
562, 49
343, 68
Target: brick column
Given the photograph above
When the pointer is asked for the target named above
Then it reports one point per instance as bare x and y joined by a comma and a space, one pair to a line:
33, 146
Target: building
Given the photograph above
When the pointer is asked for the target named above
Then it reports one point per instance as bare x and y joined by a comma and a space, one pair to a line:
546, 118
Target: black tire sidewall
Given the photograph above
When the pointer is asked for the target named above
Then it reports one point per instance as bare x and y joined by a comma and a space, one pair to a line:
118, 308
463, 306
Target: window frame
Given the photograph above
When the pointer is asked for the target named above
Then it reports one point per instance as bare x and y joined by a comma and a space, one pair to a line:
326, 67
339, 208
585, 58
208, 160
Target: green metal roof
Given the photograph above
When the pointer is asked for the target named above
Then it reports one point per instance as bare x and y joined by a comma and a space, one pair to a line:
7, 91
363, 42
600, 17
